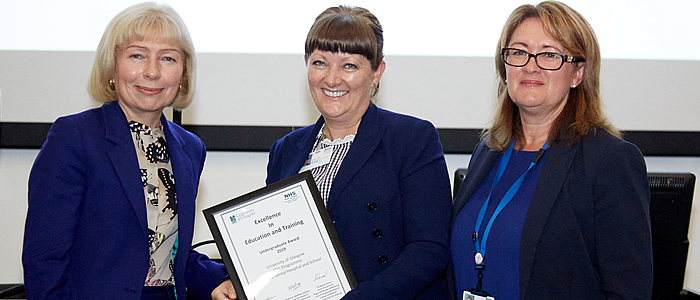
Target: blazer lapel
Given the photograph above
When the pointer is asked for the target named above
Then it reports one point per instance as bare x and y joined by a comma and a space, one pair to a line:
556, 166
124, 161
301, 153
185, 178
369, 134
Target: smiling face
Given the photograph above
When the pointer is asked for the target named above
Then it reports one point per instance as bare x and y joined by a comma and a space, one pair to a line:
147, 79
340, 84
538, 92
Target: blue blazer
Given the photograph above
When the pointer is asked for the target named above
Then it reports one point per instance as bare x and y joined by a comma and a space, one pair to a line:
587, 233
390, 203
86, 235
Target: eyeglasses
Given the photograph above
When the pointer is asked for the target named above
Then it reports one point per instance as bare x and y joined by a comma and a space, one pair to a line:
545, 60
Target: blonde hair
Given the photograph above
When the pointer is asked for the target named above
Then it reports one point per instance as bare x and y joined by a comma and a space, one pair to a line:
133, 24
583, 110
348, 29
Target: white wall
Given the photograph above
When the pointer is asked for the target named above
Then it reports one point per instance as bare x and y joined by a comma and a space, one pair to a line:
14, 172
270, 89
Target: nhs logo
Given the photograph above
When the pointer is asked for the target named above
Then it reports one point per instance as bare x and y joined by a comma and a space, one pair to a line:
290, 197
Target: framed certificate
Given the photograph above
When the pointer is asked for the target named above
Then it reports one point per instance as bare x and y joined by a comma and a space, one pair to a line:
278, 242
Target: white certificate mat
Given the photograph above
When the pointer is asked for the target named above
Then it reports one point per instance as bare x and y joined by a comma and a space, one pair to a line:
279, 243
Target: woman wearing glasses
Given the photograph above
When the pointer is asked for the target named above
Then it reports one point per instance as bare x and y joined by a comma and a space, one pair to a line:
555, 205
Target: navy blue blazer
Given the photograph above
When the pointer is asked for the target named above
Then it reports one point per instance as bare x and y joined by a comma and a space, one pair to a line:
86, 234
587, 232
390, 203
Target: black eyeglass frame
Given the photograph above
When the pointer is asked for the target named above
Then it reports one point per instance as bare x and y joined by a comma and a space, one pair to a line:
565, 58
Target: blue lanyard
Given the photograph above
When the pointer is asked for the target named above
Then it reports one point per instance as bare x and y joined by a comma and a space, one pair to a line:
481, 247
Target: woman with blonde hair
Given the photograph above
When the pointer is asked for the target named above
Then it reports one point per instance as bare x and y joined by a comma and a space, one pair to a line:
112, 191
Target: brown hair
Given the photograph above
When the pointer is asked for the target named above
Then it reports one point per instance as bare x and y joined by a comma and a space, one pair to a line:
133, 24
348, 29
583, 109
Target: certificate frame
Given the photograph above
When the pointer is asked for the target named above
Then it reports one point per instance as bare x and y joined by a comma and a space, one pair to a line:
233, 245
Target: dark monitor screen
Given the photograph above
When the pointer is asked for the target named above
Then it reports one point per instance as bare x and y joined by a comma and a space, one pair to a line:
669, 211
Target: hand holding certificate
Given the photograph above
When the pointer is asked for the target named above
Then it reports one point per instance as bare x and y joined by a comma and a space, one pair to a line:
278, 242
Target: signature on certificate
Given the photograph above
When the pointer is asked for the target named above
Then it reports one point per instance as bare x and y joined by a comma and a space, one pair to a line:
319, 275
294, 286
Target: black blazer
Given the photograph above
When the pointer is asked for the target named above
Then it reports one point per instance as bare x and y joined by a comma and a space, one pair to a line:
586, 233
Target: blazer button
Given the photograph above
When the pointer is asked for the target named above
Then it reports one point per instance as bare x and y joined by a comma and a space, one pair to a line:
377, 233
382, 259
372, 206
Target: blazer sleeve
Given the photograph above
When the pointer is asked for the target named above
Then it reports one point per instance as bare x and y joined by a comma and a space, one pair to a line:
203, 275
622, 225
427, 209
273, 163
56, 186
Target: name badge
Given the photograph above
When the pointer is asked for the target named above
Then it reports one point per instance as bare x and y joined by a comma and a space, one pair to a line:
318, 158
466, 295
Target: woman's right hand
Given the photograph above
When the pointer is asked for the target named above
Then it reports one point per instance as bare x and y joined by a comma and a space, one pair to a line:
224, 291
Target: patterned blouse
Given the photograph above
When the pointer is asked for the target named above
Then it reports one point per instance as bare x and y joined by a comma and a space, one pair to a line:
161, 201
324, 174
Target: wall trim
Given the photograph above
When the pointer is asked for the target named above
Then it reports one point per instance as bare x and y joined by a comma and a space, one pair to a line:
23, 135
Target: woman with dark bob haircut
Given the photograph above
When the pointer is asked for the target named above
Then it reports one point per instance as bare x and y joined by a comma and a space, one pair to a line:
112, 191
385, 182
555, 205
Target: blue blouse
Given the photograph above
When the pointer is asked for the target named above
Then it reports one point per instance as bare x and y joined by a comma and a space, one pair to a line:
502, 251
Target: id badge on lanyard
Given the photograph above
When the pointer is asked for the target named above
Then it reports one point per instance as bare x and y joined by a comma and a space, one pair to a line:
318, 158
469, 296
